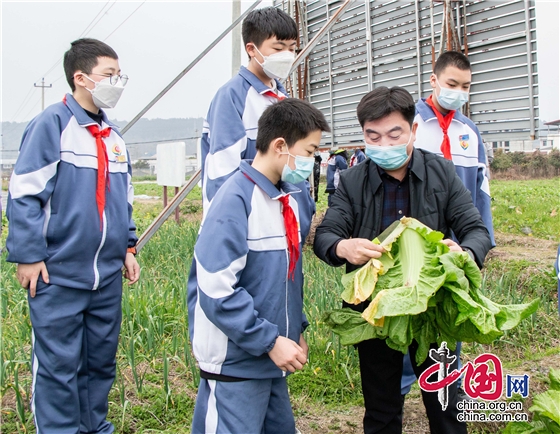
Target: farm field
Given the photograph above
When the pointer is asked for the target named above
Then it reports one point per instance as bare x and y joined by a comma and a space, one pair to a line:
157, 375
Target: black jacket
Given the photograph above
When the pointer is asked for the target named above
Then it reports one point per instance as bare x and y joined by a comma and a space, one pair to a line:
438, 199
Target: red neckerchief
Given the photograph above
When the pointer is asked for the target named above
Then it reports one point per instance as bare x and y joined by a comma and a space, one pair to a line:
102, 167
273, 94
444, 122
290, 223
291, 226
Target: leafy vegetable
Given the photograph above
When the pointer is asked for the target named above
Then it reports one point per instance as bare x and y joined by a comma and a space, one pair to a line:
420, 290
546, 409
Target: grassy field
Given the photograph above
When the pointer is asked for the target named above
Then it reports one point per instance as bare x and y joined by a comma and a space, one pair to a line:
157, 375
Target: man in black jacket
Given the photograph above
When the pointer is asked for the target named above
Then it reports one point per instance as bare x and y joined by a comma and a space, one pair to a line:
396, 181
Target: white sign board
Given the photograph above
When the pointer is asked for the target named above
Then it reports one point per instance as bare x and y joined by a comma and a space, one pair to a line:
171, 164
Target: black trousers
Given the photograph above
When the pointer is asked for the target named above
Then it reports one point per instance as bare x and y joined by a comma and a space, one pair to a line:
381, 371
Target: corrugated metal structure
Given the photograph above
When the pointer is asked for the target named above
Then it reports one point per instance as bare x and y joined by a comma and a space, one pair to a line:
389, 43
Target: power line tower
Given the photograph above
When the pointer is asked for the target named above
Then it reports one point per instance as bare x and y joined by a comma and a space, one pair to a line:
42, 86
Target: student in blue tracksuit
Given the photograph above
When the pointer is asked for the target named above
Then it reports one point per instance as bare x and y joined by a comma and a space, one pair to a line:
357, 157
246, 317
71, 232
337, 162
230, 129
444, 130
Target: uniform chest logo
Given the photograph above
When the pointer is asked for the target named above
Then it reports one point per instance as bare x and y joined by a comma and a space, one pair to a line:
464, 141
118, 152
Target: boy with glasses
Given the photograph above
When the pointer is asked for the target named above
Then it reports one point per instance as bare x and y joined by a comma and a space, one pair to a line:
71, 232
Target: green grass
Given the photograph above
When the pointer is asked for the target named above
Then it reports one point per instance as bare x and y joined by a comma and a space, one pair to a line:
534, 204
157, 375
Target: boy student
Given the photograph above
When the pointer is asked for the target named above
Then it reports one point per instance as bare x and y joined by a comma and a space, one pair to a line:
71, 232
336, 164
246, 316
396, 181
444, 130
230, 129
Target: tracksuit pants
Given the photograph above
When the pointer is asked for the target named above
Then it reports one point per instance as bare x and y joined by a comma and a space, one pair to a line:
248, 407
75, 336
381, 370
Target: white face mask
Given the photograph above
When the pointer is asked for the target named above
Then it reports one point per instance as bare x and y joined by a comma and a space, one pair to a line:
106, 95
451, 99
277, 65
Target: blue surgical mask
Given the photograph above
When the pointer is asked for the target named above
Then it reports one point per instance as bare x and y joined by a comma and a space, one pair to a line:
388, 157
304, 168
451, 99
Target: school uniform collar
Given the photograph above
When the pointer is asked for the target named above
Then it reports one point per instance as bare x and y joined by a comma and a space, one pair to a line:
265, 184
427, 114
82, 117
259, 86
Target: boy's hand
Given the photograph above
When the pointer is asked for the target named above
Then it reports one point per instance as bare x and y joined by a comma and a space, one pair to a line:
358, 251
288, 355
303, 345
27, 275
132, 269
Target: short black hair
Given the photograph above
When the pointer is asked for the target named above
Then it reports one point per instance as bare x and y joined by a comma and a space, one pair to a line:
383, 101
83, 56
291, 119
265, 23
452, 58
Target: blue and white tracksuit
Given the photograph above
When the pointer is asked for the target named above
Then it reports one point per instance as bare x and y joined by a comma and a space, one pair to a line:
242, 301
467, 153
53, 217
230, 131
335, 165
469, 157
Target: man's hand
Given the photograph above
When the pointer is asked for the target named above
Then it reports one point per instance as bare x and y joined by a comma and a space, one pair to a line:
288, 355
453, 246
27, 275
358, 251
132, 269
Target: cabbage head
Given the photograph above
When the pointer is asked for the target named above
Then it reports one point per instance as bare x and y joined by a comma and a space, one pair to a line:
420, 290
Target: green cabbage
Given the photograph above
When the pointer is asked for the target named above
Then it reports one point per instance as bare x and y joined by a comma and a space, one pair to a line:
420, 290
546, 411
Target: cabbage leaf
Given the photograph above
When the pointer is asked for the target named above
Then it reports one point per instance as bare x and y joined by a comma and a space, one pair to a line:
420, 290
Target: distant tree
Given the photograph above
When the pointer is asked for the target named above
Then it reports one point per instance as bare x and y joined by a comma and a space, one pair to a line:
141, 164
502, 161
538, 163
554, 161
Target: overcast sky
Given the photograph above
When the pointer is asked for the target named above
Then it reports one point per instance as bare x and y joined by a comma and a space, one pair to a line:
155, 41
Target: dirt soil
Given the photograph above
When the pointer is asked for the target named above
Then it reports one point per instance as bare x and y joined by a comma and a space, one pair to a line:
318, 420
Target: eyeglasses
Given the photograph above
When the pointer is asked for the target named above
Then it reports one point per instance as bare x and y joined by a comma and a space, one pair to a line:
114, 79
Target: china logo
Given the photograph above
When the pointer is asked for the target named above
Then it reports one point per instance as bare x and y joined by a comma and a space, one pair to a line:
483, 377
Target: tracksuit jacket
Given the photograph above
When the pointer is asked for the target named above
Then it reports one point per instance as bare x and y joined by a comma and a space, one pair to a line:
243, 298
467, 153
52, 206
438, 199
229, 133
335, 165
